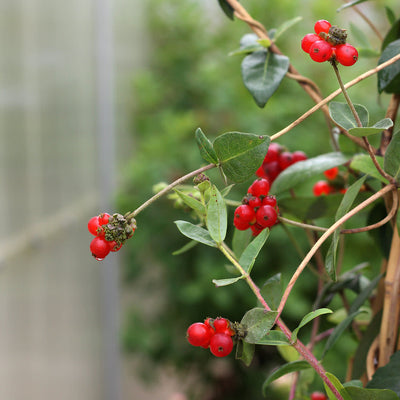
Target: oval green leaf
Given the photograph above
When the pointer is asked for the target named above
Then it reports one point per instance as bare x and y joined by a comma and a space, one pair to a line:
274, 338
391, 162
195, 232
385, 123
249, 255
389, 77
308, 318
240, 154
258, 322
226, 282
205, 146
364, 164
357, 393
191, 202
217, 219
342, 115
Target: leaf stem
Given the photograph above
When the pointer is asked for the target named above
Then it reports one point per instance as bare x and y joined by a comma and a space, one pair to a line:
168, 188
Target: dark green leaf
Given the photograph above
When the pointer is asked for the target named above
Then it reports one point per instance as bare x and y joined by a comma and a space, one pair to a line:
357, 393
337, 332
364, 164
217, 219
206, 149
372, 130
245, 352
308, 318
272, 291
339, 387
250, 254
257, 323
262, 73
285, 26
389, 77
394, 32
303, 171
240, 154
226, 8
191, 202
346, 203
387, 377
350, 4
342, 115
283, 370
390, 16
226, 282
274, 338
195, 232
391, 162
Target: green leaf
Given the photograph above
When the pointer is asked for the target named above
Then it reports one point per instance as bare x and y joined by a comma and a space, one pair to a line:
391, 163
337, 332
226, 8
304, 170
357, 393
339, 387
344, 207
350, 4
390, 15
274, 338
342, 115
372, 130
226, 282
217, 219
240, 154
240, 241
272, 291
257, 323
387, 377
250, 254
307, 318
190, 201
364, 164
206, 149
262, 73
245, 352
185, 248
195, 232
394, 32
285, 26
389, 77
283, 370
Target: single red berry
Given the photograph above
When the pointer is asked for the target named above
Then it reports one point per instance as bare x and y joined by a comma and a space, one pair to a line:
221, 345
269, 200
299, 155
254, 202
308, 40
266, 216
321, 187
244, 216
285, 160
261, 173
256, 229
322, 26
331, 173
198, 334
99, 248
93, 225
346, 54
222, 325
320, 51
260, 187
272, 170
104, 218
318, 396
273, 152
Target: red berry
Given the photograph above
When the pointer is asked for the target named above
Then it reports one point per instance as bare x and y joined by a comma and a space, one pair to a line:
320, 51
322, 26
114, 246
318, 396
244, 216
254, 202
198, 334
321, 187
285, 160
261, 173
221, 345
331, 173
272, 170
346, 54
222, 325
256, 229
308, 40
273, 152
260, 187
99, 248
104, 218
93, 225
299, 156
269, 201
266, 216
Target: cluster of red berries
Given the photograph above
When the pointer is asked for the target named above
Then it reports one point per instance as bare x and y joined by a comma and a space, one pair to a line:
276, 160
329, 43
318, 396
258, 209
329, 186
110, 233
215, 334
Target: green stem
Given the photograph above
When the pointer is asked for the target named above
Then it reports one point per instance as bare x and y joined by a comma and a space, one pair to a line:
168, 188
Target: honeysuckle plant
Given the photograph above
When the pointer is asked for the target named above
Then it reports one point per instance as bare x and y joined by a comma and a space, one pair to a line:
357, 176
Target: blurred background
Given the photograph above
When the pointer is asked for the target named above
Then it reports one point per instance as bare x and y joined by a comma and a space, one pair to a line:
99, 100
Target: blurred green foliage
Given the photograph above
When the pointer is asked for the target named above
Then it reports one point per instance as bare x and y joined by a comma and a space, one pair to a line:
191, 82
